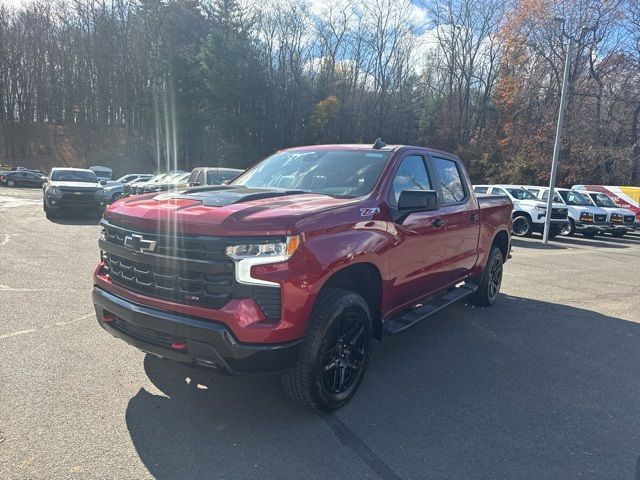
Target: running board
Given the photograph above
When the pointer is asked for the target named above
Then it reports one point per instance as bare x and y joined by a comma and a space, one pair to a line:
408, 318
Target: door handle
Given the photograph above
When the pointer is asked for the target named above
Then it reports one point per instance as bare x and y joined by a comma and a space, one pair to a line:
438, 223
474, 217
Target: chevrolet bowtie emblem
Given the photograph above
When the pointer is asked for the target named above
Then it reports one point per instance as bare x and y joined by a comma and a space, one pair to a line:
139, 243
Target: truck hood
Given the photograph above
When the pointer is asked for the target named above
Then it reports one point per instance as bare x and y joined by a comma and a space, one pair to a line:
619, 210
222, 211
88, 185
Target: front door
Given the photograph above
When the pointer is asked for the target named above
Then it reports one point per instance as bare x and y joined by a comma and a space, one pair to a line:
416, 262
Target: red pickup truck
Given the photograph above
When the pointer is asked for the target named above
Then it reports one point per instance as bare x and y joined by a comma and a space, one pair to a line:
299, 263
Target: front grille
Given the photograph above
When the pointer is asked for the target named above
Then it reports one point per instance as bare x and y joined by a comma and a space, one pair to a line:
194, 288
629, 219
599, 218
559, 213
78, 197
187, 269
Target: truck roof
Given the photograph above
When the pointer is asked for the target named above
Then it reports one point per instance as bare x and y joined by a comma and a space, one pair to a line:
72, 169
369, 147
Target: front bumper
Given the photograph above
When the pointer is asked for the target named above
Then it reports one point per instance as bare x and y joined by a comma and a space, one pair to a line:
93, 203
201, 343
556, 225
592, 227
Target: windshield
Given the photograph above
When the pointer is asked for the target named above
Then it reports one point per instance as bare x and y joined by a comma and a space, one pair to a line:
339, 173
574, 198
73, 176
603, 200
521, 194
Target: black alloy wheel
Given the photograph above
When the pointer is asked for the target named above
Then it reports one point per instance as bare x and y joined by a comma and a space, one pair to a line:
344, 351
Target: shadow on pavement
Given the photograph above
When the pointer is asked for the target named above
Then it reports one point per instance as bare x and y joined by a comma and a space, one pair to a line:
597, 242
525, 389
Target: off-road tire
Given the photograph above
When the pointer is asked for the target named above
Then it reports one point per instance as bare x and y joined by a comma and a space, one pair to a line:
488, 291
571, 229
304, 383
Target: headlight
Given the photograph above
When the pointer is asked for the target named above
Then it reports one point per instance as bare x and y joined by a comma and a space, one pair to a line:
100, 193
54, 192
586, 217
541, 208
253, 250
249, 255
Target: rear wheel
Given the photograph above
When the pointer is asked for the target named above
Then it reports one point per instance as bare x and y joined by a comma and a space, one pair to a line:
490, 280
335, 353
521, 226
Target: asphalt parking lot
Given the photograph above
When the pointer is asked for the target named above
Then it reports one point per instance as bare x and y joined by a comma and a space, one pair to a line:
543, 385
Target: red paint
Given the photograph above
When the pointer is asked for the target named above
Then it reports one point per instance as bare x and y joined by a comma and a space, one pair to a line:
413, 258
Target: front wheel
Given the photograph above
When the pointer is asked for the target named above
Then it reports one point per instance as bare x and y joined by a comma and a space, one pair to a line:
335, 353
569, 229
618, 233
521, 226
490, 280
589, 234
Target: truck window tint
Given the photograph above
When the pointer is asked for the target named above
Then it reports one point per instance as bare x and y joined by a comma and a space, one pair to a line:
411, 175
450, 181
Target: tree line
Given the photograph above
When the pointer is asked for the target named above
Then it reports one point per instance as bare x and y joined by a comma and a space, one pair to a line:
178, 83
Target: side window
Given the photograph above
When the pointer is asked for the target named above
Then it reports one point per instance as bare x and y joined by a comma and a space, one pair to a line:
545, 196
534, 191
201, 179
411, 175
481, 189
450, 180
193, 176
497, 191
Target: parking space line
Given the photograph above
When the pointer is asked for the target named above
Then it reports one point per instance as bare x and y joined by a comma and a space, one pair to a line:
47, 327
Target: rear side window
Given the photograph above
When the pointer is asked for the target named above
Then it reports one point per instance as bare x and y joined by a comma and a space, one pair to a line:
411, 175
480, 189
450, 180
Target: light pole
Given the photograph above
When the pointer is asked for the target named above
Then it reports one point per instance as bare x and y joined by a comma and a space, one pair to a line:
556, 145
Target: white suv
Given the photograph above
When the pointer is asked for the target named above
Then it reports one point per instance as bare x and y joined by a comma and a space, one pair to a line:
621, 219
584, 218
528, 212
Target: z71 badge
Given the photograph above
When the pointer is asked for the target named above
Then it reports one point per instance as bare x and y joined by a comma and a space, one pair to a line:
368, 212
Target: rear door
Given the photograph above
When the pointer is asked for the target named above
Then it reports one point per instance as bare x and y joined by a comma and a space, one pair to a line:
460, 212
416, 262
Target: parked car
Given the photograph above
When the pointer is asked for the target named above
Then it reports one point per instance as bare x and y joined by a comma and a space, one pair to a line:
103, 173
203, 176
257, 277
622, 219
22, 178
584, 218
75, 189
137, 187
625, 197
529, 213
175, 181
115, 188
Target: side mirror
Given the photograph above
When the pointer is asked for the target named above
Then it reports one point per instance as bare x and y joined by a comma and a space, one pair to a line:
193, 184
103, 182
414, 201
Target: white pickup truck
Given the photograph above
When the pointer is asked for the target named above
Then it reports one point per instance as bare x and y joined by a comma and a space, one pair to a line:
528, 212
621, 219
584, 217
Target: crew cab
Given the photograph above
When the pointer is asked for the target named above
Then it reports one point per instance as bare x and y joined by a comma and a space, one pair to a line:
74, 189
299, 263
622, 220
584, 217
528, 212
